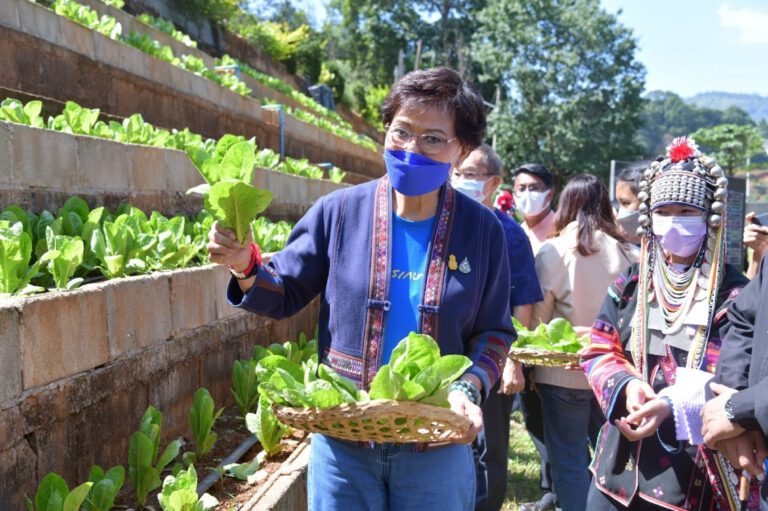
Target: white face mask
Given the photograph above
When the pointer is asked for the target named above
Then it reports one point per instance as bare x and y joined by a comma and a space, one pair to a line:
531, 203
627, 219
470, 188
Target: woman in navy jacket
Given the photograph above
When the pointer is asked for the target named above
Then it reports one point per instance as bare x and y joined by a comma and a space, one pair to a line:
403, 253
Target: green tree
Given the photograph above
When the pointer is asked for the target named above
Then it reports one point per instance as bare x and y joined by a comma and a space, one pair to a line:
730, 144
665, 116
570, 79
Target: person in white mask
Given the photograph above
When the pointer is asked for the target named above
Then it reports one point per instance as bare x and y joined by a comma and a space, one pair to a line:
627, 188
533, 198
479, 177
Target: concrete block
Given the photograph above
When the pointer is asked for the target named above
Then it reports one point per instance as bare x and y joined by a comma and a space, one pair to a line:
193, 303
138, 312
180, 172
9, 14
173, 393
158, 70
10, 359
17, 475
40, 22
199, 86
221, 279
76, 37
148, 169
6, 157
180, 79
44, 158
104, 165
119, 55
62, 334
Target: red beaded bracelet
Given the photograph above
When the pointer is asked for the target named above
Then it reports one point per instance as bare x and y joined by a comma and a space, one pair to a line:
254, 264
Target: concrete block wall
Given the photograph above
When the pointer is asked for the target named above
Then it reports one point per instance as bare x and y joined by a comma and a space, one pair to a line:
80, 368
44, 167
44, 54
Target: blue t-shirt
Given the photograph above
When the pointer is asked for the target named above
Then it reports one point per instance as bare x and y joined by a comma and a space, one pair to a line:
410, 247
524, 285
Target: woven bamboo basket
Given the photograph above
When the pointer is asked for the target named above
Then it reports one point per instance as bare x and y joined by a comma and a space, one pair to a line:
548, 358
380, 420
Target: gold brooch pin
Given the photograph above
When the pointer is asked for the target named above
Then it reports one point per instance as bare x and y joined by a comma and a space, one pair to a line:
453, 265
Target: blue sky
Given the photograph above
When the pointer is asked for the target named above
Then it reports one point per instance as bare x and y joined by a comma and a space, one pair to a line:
691, 46
687, 46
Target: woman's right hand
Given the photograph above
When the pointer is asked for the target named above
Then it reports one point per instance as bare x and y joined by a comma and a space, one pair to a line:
637, 393
224, 248
755, 236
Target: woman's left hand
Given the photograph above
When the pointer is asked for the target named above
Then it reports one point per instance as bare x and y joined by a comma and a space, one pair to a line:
461, 404
645, 421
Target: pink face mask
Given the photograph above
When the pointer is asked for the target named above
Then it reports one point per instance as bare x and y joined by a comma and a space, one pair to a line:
680, 235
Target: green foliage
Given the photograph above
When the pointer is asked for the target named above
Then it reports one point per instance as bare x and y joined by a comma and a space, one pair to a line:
558, 335
731, 145
331, 76
666, 115
417, 372
179, 493
63, 258
15, 255
236, 204
217, 10
53, 495
573, 107
337, 130
12, 110
266, 427
117, 4
166, 26
146, 44
270, 236
144, 464
202, 417
105, 25
105, 488
245, 385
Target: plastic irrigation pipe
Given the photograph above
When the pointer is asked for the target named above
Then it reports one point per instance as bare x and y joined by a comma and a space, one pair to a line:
233, 457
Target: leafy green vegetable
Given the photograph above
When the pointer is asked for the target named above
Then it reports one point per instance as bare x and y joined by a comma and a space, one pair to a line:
266, 427
180, 493
15, 255
105, 488
417, 372
245, 385
144, 464
243, 471
202, 417
64, 256
558, 335
53, 495
236, 204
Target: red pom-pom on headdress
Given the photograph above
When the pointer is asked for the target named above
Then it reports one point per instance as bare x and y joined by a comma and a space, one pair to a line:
681, 149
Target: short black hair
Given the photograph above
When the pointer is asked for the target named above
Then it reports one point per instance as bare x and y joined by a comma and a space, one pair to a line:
633, 174
538, 170
442, 88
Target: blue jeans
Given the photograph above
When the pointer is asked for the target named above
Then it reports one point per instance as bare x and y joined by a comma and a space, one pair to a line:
343, 476
571, 421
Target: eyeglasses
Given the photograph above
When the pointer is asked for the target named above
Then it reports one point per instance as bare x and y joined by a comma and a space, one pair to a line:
429, 144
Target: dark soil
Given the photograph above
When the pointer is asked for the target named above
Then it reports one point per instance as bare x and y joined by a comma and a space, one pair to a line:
231, 492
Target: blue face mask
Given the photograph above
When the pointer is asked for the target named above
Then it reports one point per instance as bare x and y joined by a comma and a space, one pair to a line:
414, 174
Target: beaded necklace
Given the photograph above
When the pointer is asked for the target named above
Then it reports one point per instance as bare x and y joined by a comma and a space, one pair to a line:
674, 291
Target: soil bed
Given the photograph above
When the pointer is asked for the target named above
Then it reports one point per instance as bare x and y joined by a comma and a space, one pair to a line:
231, 492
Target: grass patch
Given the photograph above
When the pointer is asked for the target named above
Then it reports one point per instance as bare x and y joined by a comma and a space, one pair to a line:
522, 466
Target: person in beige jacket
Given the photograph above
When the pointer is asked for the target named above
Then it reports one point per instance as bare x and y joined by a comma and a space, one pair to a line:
575, 268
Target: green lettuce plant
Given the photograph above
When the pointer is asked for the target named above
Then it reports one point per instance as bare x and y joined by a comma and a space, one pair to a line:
179, 493
266, 427
145, 463
105, 488
557, 335
53, 495
202, 417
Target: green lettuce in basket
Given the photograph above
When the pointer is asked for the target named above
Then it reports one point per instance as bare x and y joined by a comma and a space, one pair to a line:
416, 372
557, 335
